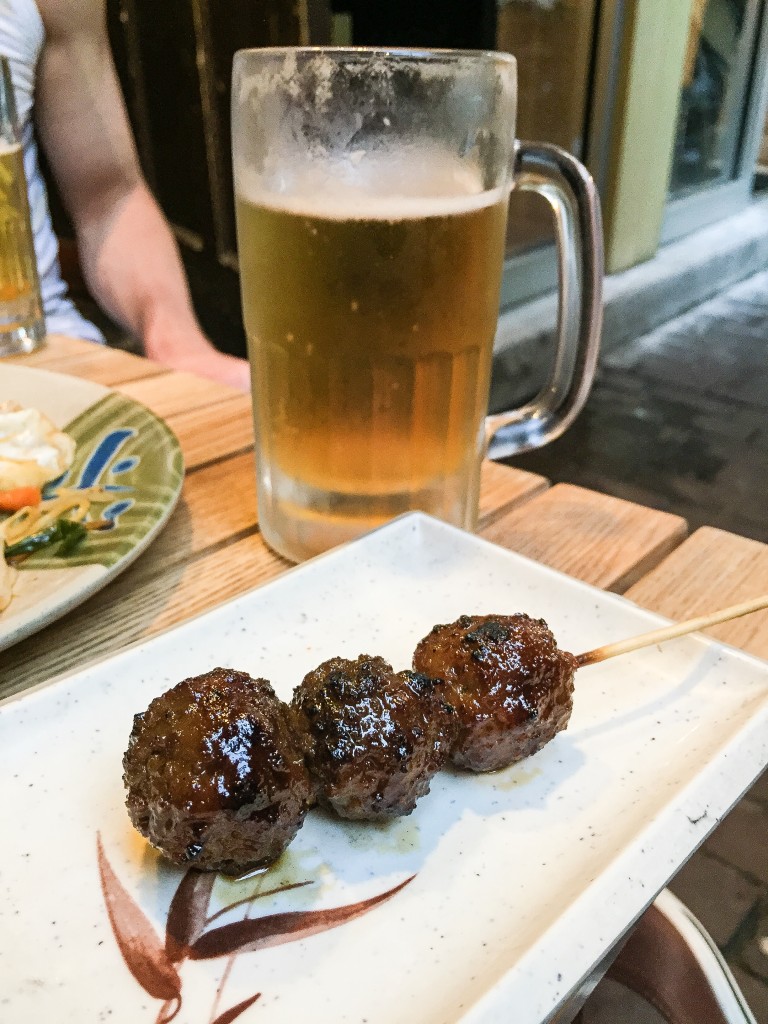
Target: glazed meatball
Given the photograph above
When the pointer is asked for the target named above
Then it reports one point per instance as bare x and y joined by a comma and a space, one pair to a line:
214, 777
373, 738
510, 685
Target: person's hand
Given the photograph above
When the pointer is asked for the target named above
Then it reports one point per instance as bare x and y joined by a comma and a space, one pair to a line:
209, 362
193, 353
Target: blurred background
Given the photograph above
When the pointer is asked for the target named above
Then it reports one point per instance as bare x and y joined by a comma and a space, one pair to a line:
664, 102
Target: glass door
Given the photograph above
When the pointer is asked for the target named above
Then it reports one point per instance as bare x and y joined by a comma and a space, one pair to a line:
720, 113
553, 41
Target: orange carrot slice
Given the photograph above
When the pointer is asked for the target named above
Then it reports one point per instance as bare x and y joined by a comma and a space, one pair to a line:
18, 498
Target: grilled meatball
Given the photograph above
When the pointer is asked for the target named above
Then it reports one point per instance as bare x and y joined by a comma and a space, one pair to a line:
373, 738
213, 774
511, 686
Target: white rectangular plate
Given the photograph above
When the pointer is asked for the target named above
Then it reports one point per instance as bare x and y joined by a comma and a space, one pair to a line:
520, 880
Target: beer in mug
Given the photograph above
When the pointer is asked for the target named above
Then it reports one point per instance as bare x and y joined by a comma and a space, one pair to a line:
20, 305
22, 325
371, 341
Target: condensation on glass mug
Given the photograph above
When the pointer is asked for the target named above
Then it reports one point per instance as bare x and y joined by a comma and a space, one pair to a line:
371, 192
22, 326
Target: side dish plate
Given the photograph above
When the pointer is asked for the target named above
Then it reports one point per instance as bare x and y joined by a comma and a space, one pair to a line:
122, 446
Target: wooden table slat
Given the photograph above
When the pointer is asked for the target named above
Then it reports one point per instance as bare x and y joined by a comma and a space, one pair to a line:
712, 569
602, 540
502, 488
175, 393
214, 431
97, 363
217, 506
109, 367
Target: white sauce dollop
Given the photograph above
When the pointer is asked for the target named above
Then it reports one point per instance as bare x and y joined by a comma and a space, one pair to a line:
33, 450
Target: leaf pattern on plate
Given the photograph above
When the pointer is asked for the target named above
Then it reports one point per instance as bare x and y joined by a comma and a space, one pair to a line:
168, 1011
248, 900
234, 1011
275, 929
137, 940
188, 913
153, 964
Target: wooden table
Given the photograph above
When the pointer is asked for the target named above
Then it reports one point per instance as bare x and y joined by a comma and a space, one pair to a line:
212, 550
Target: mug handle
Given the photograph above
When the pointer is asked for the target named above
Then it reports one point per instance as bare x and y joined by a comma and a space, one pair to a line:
569, 189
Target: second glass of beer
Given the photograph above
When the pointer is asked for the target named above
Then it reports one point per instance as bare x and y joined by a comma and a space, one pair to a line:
371, 193
22, 324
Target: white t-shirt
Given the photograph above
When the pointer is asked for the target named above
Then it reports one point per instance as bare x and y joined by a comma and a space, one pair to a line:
22, 34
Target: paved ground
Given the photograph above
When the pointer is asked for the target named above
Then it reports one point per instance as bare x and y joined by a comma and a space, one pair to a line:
678, 420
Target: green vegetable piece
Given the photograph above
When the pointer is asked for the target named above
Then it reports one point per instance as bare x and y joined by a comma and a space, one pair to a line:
72, 535
67, 531
37, 541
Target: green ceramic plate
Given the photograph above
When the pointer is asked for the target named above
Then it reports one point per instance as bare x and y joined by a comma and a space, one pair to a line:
121, 446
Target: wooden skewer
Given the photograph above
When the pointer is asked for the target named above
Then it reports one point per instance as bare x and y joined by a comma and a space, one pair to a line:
659, 636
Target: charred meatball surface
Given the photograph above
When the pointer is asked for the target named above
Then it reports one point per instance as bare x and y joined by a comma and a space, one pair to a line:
511, 686
373, 738
214, 777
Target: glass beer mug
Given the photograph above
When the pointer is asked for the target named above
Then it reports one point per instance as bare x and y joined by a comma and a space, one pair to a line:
22, 325
371, 192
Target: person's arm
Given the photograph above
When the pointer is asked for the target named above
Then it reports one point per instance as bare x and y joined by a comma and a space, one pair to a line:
128, 254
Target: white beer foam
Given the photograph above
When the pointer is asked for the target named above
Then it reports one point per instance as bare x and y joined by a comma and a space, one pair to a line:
363, 186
